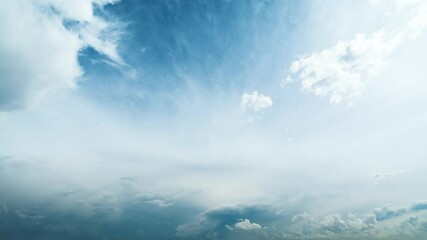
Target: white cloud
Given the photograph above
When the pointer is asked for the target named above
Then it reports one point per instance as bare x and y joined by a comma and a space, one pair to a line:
254, 101
340, 72
245, 224
39, 53
159, 202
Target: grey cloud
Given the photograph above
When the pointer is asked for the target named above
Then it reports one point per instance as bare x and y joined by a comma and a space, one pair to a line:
419, 206
307, 226
371, 225
387, 212
414, 223
81, 213
79, 216
130, 219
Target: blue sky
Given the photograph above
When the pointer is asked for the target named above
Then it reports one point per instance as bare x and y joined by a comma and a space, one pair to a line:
230, 119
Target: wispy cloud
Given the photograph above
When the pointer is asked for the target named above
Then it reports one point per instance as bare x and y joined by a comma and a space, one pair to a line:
41, 44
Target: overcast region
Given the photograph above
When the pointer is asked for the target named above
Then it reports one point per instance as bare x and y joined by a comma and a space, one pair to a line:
213, 119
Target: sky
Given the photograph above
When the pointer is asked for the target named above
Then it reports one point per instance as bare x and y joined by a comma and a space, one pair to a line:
225, 119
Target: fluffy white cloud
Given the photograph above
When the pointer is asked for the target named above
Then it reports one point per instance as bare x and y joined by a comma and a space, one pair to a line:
340, 72
245, 224
254, 101
39, 51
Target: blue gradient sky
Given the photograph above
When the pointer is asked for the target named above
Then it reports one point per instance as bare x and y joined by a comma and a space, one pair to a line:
226, 119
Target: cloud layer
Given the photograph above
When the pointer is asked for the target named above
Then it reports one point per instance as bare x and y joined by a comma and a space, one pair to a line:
183, 150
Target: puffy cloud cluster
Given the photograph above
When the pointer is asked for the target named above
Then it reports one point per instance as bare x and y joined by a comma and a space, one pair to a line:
231, 223
307, 225
340, 72
270, 223
387, 212
255, 101
413, 224
371, 225
245, 224
40, 44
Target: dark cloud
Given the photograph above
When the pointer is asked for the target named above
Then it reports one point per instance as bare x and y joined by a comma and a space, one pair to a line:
86, 219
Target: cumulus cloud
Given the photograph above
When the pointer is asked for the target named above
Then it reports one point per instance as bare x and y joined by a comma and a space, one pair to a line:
370, 225
220, 223
413, 224
217, 223
387, 212
245, 224
307, 225
255, 101
40, 44
340, 72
